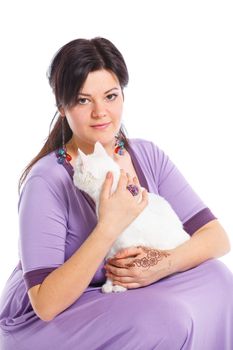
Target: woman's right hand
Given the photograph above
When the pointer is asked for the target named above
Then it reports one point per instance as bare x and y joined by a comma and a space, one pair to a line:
119, 209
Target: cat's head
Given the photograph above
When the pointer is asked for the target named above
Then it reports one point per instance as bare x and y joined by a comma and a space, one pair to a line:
90, 171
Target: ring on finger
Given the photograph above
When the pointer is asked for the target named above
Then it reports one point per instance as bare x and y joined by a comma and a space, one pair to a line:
133, 189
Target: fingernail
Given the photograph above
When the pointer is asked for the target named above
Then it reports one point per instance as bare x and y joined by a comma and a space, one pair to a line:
109, 175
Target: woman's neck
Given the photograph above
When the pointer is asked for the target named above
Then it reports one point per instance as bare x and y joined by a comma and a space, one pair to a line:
72, 147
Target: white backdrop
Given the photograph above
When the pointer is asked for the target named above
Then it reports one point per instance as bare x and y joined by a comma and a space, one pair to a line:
179, 55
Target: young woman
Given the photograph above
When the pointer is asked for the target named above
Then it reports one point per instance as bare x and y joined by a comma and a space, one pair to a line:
53, 299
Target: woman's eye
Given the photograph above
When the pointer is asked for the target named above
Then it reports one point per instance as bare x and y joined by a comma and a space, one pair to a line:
82, 101
111, 97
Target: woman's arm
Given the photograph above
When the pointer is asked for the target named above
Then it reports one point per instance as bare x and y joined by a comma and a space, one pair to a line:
65, 284
210, 241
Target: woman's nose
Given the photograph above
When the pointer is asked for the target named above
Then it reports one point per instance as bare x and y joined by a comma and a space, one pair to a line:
98, 110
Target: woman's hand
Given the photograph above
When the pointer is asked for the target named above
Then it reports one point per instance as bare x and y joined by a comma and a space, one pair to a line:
118, 209
136, 267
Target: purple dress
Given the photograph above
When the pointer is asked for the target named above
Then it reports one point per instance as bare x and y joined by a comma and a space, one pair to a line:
187, 310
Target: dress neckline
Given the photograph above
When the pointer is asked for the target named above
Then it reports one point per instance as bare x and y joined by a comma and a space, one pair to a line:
141, 177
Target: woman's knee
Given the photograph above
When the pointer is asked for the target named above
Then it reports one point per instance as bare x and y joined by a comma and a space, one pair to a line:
168, 329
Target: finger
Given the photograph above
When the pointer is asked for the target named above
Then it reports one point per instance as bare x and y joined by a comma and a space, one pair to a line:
136, 181
107, 185
130, 251
118, 279
118, 262
128, 285
130, 178
123, 180
116, 271
144, 199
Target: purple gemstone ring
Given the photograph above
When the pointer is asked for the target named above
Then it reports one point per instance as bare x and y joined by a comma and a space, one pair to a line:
133, 189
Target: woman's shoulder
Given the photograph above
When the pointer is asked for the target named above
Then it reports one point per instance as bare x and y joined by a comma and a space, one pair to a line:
47, 176
145, 148
48, 169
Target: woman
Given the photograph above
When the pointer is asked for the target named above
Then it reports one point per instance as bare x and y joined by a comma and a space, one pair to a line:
53, 299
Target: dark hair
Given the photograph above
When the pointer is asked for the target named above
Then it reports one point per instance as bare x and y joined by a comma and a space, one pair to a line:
67, 74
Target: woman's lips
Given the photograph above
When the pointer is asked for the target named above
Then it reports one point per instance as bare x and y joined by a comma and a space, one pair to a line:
100, 126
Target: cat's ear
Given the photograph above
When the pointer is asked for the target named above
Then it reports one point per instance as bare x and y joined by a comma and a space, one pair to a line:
99, 149
82, 157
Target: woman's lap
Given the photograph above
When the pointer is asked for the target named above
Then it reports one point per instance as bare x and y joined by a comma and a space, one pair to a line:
190, 310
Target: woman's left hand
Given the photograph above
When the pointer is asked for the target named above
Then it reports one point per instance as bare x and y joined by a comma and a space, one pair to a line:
136, 267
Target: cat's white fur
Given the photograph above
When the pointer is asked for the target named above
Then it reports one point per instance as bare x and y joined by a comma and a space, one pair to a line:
157, 226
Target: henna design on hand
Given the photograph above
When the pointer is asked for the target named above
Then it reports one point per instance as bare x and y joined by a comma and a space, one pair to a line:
152, 258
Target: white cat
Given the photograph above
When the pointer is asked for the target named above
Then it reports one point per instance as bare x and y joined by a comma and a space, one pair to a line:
157, 226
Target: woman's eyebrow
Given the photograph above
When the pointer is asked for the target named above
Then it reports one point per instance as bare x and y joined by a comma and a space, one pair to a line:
106, 92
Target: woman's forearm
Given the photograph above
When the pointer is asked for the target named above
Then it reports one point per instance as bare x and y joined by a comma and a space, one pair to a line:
64, 285
209, 242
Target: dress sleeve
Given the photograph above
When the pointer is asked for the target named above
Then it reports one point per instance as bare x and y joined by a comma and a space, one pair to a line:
43, 228
172, 185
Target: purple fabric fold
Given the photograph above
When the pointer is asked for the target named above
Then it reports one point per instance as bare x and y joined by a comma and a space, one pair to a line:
32, 278
198, 220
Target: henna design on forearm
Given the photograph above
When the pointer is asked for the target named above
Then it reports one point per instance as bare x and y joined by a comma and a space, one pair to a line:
153, 256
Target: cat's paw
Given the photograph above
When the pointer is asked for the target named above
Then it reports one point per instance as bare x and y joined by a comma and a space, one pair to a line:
117, 289
107, 288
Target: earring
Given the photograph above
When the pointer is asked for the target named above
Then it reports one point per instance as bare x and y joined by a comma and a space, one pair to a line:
62, 155
119, 145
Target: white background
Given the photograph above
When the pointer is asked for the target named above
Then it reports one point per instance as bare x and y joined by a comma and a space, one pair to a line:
179, 55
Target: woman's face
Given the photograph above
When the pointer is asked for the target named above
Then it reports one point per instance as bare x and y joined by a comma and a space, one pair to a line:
97, 114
